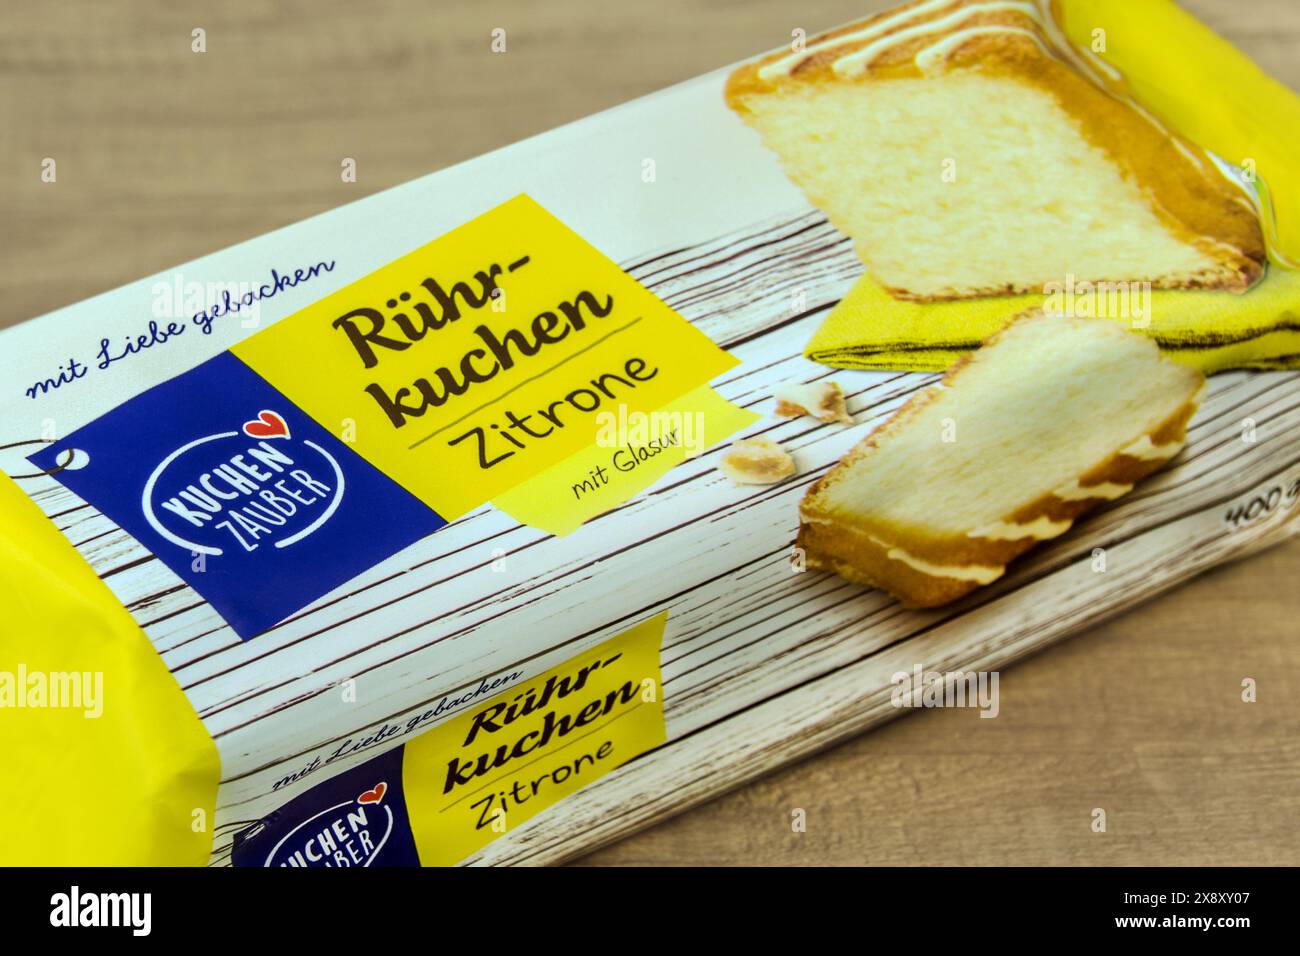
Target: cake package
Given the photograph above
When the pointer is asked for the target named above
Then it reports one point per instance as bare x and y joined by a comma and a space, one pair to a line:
496, 515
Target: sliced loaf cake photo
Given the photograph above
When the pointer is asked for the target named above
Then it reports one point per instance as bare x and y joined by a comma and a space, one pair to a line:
969, 149
1050, 418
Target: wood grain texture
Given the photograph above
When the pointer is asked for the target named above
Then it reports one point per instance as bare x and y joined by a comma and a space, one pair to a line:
164, 154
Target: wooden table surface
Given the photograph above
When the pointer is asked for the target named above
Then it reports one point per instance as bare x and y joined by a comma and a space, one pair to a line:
164, 154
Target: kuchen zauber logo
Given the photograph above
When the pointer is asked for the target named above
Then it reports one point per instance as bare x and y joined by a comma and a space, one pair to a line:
238, 492
243, 490
350, 833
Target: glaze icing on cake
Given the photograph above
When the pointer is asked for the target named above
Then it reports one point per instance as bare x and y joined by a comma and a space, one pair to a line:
969, 149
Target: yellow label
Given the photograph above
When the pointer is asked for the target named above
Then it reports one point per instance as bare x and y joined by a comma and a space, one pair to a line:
483, 358
632, 451
475, 777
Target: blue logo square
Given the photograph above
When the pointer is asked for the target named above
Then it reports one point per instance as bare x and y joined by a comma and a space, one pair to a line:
357, 818
238, 491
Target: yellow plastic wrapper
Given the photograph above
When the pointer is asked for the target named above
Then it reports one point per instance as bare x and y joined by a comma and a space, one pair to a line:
125, 775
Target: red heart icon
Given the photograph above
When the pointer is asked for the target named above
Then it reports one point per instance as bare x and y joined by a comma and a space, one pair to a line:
267, 425
375, 795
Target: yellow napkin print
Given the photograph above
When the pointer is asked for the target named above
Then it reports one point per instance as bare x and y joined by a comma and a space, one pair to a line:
1209, 330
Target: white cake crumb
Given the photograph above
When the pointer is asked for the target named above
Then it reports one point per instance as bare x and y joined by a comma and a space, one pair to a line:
757, 461
822, 400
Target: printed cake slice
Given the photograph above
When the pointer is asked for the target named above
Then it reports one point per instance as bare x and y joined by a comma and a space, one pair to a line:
1050, 418
968, 149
